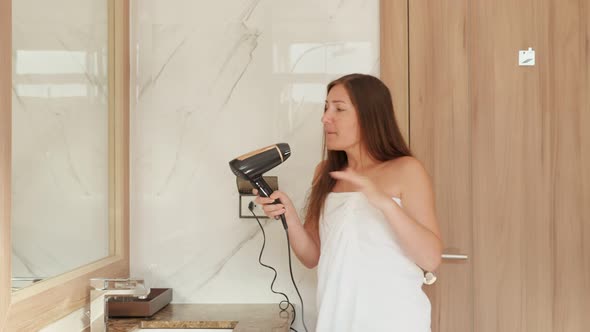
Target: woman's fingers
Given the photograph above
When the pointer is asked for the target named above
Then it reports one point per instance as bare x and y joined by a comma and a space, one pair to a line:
347, 177
263, 200
352, 177
268, 205
273, 211
271, 208
273, 197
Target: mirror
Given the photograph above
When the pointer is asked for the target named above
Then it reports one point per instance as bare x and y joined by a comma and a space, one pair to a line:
64, 185
60, 128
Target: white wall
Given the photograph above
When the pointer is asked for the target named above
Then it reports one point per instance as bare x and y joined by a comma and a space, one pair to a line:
213, 81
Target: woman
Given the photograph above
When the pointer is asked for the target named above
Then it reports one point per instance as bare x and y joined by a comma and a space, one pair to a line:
370, 223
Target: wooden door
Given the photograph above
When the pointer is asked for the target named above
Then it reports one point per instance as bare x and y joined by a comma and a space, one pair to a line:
508, 148
530, 165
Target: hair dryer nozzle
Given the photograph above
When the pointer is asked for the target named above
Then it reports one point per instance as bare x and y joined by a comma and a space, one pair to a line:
285, 150
252, 165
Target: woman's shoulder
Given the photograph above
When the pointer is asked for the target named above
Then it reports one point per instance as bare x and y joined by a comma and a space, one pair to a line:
405, 170
408, 172
404, 165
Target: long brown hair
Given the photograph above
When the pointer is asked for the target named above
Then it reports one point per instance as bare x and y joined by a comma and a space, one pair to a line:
379, 133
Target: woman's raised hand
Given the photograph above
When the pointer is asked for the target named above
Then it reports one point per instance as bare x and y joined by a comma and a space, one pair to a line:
362, 184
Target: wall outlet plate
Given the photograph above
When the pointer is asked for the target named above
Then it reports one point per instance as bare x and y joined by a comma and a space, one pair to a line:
245, 212
526, 57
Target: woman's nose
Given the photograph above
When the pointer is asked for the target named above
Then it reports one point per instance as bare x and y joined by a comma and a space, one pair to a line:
326, 118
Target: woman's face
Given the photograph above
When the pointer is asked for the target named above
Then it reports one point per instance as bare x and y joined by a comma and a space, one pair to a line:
340, 120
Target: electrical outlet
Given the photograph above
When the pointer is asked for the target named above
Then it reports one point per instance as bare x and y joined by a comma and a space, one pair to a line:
245, 211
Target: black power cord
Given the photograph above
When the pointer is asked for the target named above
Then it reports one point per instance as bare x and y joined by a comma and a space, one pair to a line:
281, 304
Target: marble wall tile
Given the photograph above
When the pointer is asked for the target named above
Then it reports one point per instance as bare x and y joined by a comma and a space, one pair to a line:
213, 80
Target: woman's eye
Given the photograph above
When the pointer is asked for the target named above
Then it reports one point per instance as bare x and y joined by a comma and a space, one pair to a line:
340, 109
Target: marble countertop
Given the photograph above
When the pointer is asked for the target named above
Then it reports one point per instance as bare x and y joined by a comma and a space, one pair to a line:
241, 317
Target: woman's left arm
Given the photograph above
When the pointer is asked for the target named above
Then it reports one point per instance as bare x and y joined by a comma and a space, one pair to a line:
416, 225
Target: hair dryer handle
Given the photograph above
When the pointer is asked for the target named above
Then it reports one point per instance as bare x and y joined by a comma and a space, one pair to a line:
265, 190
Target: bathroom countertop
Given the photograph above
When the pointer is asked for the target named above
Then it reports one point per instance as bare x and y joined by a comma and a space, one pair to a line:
241, 317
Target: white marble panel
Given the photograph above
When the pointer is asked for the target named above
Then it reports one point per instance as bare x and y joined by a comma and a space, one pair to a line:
211, 81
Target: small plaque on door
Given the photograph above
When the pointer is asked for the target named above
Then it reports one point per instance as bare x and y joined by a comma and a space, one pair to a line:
526, 57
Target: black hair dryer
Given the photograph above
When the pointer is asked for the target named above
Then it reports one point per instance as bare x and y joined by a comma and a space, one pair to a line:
251, 166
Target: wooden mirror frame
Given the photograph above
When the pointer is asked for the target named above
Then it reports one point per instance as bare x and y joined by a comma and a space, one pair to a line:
38, 305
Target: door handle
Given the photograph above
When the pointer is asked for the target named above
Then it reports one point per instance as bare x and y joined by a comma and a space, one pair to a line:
455, 256
430, 277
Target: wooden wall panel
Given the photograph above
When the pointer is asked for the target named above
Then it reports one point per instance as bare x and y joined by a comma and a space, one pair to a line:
394, 57
566, 152
440, 137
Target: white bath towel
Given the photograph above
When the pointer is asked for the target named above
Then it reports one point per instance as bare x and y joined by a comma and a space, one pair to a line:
365, 282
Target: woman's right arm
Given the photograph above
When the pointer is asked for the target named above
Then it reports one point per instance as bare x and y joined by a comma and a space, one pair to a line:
305, 245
